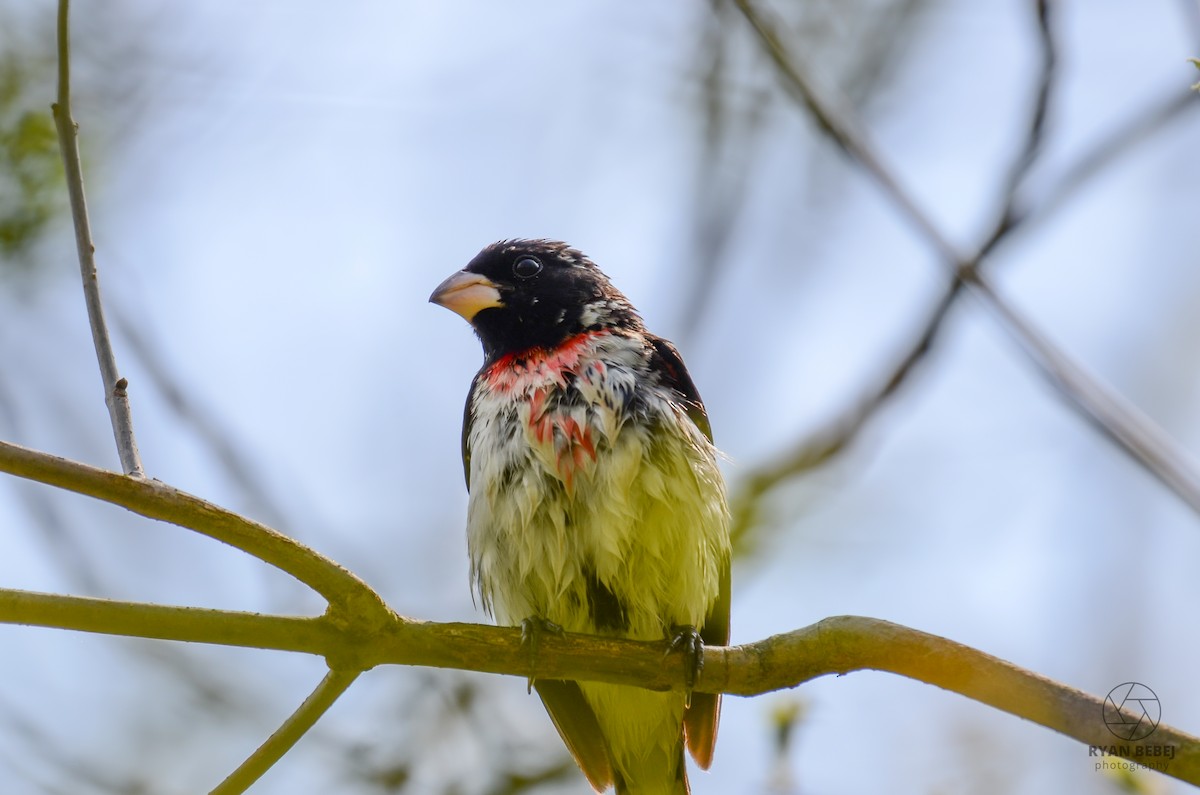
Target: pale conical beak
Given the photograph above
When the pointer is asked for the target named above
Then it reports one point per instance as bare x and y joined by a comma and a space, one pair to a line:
467, 294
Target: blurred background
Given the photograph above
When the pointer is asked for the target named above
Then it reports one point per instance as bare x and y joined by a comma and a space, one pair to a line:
276, 187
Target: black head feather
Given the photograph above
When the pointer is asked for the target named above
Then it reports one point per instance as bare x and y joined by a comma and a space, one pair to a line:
548, 293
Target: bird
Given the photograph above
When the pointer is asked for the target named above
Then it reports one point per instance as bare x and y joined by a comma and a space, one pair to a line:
596, 501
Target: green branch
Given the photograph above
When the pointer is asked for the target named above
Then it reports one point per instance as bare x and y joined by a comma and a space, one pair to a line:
837, 645
287, 735
347, 594
161, 622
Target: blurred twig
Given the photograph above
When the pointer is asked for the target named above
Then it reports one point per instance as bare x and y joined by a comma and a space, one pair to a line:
1021, 216
1118, 420
1009, 215
834, 437
733, 123
721, 184
1117, 142
115, 395
226, 697
837, 121
1191, 16
68, 760
441, 708
237, 465
517, 783
46, 512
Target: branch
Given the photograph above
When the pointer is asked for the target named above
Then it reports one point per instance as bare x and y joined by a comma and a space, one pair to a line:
1019, 216
834, 118
1010, 215
310, 635
834, 437
348, 596
287, 735
1119, 420
115, 395
848, 643
1104, 153
836, 645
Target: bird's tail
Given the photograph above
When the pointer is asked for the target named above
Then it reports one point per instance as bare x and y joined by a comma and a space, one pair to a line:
678, 785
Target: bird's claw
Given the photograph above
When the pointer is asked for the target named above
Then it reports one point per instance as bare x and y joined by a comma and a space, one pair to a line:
687, 641
532, 629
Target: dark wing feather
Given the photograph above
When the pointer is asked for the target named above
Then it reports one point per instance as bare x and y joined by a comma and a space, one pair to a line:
576, 724
702, 716
667, 362
466, 430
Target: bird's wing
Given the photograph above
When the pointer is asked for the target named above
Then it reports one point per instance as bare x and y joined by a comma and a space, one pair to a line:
704, 713
669, 365
702, 716
576, 724
466, 426
466, 441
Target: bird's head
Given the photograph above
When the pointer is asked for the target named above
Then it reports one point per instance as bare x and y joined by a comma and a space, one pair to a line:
523, 294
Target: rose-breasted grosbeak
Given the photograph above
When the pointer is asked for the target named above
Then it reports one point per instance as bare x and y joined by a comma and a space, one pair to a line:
595, 498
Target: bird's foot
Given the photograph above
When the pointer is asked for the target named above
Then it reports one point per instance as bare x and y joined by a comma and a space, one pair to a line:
687, 641
532, 630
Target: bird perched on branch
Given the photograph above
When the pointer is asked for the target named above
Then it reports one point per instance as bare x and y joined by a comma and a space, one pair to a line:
596, 504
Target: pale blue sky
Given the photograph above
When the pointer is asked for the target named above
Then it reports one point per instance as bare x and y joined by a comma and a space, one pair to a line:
291, 179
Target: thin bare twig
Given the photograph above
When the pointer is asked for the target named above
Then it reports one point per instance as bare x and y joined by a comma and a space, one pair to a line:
288, 734
116, 396
1120, 421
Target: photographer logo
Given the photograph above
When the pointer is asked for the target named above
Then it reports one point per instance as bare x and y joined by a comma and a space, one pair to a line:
1132, 711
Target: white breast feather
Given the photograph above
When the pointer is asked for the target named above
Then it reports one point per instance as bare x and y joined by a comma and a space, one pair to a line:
566, 485
578, 486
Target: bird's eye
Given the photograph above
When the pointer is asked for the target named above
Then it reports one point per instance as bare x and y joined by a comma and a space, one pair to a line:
526, 268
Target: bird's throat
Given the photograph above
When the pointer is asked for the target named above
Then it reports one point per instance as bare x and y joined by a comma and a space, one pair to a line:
538, 367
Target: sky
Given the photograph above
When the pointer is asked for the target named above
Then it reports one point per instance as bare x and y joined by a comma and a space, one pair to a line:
276, 187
